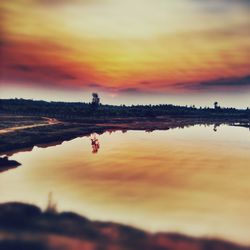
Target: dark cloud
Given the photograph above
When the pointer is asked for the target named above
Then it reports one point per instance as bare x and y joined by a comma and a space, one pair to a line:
50, 71
247, 2
20, 67
94, 85
221, 5
130, 90
230, 84
227, 82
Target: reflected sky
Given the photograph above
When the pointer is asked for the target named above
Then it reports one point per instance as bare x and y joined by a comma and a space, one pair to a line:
193, 180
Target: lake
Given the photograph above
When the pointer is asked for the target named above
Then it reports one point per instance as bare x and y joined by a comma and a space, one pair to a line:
194, 180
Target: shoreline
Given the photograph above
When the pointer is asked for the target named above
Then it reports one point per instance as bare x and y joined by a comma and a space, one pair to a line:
27, 138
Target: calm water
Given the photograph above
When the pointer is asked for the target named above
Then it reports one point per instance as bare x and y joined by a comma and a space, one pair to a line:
194, 180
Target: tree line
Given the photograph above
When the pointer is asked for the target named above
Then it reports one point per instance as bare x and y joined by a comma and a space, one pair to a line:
96, 109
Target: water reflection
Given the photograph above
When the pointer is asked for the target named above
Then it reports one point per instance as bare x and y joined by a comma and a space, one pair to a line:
192, 180
94, 143
216, 125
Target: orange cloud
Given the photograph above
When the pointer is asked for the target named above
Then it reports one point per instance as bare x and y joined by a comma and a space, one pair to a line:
41, 63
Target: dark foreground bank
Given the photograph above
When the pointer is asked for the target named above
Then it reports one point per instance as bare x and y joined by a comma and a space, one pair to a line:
24, 226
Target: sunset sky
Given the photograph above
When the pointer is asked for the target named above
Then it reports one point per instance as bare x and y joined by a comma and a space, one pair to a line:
143, 51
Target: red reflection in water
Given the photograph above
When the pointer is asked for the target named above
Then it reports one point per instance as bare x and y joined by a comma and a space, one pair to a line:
95, 144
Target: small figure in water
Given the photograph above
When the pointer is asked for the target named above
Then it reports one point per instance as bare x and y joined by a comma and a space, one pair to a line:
95, 144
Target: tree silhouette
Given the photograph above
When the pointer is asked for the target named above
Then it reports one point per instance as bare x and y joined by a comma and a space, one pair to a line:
216, 106
95, 100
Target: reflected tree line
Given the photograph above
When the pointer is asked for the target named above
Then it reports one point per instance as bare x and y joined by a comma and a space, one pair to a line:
95, 143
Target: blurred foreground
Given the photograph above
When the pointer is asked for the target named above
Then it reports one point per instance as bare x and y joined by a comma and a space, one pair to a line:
24, 226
